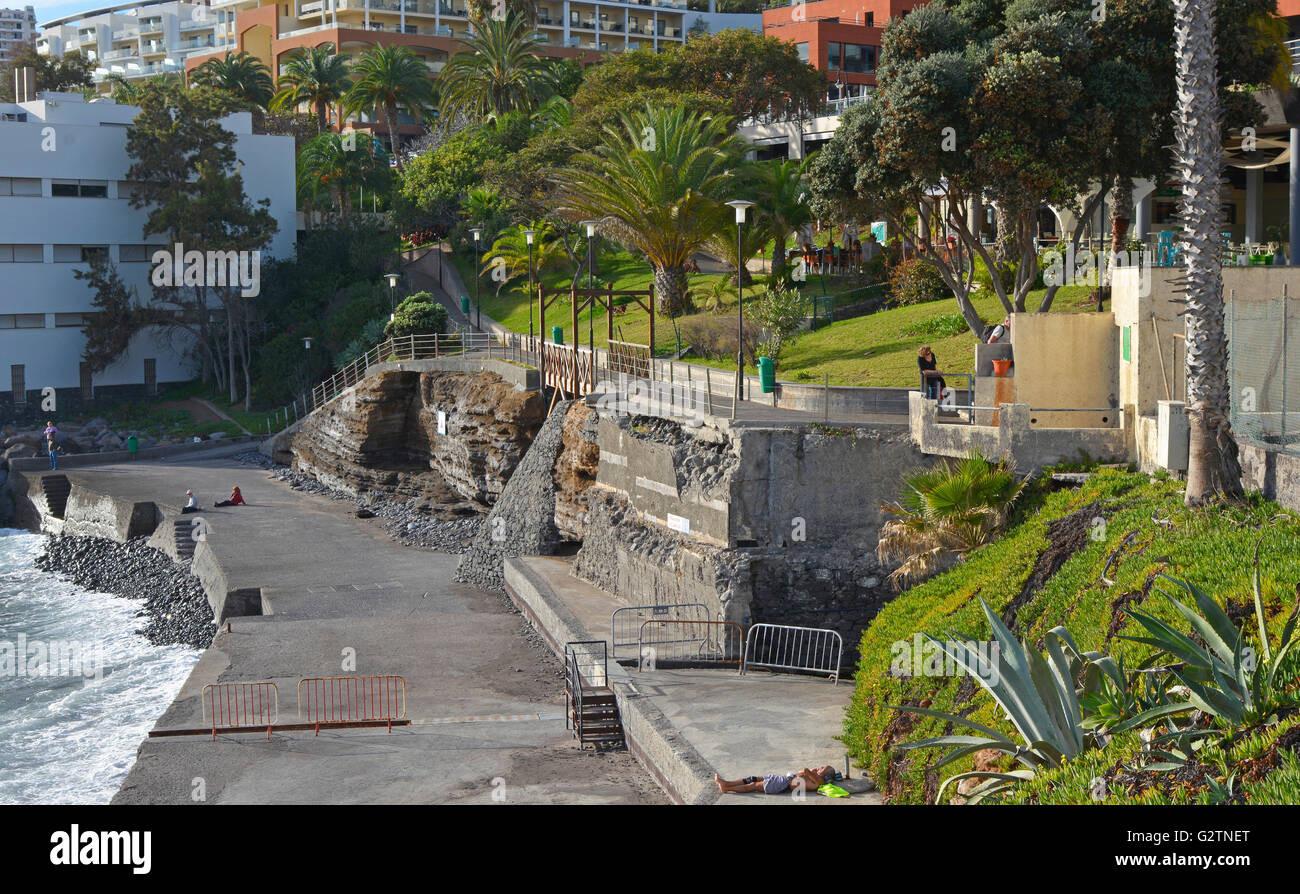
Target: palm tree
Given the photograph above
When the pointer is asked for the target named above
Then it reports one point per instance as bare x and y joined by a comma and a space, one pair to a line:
315, 77
947, 510
500, 70
242, 74
1212, 467
657, 185
782, 202
386, 77
510, 252
335, 164
122, 91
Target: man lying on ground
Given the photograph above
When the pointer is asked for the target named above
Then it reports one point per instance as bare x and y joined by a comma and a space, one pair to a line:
777, 783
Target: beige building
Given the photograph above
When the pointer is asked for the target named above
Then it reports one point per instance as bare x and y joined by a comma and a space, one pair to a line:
17, 30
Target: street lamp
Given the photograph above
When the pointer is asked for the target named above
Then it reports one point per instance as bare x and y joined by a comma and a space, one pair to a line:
528, 237
478, 273
591, 307
741, 206
392, 300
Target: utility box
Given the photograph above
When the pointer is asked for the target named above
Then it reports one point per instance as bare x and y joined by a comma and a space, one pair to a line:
1172, 435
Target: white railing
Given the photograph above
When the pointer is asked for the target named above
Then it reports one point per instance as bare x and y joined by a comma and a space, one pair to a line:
1293, 47
781, 647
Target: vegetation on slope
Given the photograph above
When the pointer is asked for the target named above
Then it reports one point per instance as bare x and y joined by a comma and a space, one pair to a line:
1083, 558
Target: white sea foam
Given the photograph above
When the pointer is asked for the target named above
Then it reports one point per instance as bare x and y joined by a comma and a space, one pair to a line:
71, 739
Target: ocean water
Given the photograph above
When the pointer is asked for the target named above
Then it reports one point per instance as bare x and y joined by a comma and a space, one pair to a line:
83, 690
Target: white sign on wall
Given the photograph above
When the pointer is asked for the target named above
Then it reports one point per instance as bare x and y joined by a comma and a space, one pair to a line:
442, 422
677, 523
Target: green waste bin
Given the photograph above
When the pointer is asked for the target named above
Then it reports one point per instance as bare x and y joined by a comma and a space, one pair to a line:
766, 375
557, 334
464, 305
133, 444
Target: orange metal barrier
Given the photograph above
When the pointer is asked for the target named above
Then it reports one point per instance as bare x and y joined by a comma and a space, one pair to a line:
241, 705
352, 700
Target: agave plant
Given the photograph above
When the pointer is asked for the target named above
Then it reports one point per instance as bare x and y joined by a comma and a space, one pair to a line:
1225, 678
1038, 695
948, 510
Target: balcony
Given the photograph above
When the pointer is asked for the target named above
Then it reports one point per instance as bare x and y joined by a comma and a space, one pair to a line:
126, 34
193, 24
88, 37
151, 26
114, 55
197, 43
1293, 47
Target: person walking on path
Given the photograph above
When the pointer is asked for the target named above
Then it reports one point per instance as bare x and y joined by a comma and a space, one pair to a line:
51, 433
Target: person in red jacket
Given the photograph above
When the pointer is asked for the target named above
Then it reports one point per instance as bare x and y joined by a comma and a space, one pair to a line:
236, 499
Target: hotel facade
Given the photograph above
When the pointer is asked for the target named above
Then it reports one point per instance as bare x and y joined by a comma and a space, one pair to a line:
63, 199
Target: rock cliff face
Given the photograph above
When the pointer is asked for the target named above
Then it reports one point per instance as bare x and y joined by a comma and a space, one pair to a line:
382, 436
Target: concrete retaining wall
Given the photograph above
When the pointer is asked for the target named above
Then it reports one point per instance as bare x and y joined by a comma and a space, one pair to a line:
522, 377
1032, 448
1275, 475
75, 460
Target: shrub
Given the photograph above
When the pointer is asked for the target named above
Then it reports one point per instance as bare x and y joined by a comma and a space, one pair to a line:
781, 312
941, 327
715, 337
418, 314
916, 282
371, 334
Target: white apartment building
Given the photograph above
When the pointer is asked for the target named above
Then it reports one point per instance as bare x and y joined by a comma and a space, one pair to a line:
63, 197
137, 40
17, 29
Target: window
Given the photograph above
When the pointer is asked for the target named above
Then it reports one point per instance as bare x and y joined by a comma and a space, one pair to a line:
29, 321
128, 254
18, 376
93, 252
70, 320
871, 20
802, 49
150, 376
14, 116
20, 186
854, 58
87, 388
21, 254
86, 189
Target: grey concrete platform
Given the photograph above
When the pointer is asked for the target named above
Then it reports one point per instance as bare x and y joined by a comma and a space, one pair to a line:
688, 723
485, 698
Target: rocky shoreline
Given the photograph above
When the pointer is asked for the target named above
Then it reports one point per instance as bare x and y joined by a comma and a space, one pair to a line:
409, 523
174, 606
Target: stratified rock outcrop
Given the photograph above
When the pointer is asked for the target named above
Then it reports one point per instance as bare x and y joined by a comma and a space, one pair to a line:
544, 504
382, 436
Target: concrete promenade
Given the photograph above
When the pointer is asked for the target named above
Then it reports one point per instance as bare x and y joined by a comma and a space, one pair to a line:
688, 723
485, 699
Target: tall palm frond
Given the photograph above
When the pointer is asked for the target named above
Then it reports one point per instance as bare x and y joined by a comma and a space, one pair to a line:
316, 77
657, 184
387, 77
239, 73
500, 70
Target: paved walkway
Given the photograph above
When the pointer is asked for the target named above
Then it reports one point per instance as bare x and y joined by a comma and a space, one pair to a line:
739, 725
485, 699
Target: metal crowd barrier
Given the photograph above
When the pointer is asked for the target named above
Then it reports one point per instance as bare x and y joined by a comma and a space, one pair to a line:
241, 706
781, 647
625, 623
689, 642
352, 700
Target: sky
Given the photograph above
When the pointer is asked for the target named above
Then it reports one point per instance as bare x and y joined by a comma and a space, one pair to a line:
46, 10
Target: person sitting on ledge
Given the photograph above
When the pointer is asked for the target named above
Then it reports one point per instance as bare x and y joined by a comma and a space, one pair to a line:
776, 783
191, 502
236, 499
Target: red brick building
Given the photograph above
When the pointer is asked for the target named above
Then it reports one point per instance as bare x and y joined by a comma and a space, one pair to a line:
839, 37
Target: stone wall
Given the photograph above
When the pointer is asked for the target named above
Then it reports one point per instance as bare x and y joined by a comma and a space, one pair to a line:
383, 436
543, 504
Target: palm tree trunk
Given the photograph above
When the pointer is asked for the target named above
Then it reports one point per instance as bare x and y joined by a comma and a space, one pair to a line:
390, 118
670, 290
1121, 212
1212, 460
321, 125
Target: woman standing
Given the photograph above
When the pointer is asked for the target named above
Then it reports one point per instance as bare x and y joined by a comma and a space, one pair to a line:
931, 382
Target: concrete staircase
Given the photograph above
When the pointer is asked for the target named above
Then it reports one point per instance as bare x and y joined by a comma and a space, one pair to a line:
183, 531
56, 489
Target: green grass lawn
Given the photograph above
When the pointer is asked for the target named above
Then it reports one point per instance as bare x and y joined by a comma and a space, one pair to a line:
510, 307
875, 350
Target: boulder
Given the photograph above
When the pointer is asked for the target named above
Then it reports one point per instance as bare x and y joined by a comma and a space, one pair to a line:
19, 451
217, 435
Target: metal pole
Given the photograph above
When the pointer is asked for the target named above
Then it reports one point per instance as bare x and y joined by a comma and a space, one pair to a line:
530, 290
826, 398
740, 324
478, 275
591, 309
1282, 441
708, 387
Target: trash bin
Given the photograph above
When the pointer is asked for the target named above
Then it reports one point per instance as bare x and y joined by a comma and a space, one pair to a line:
133, 445
766, 375
557, 334
464, 305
